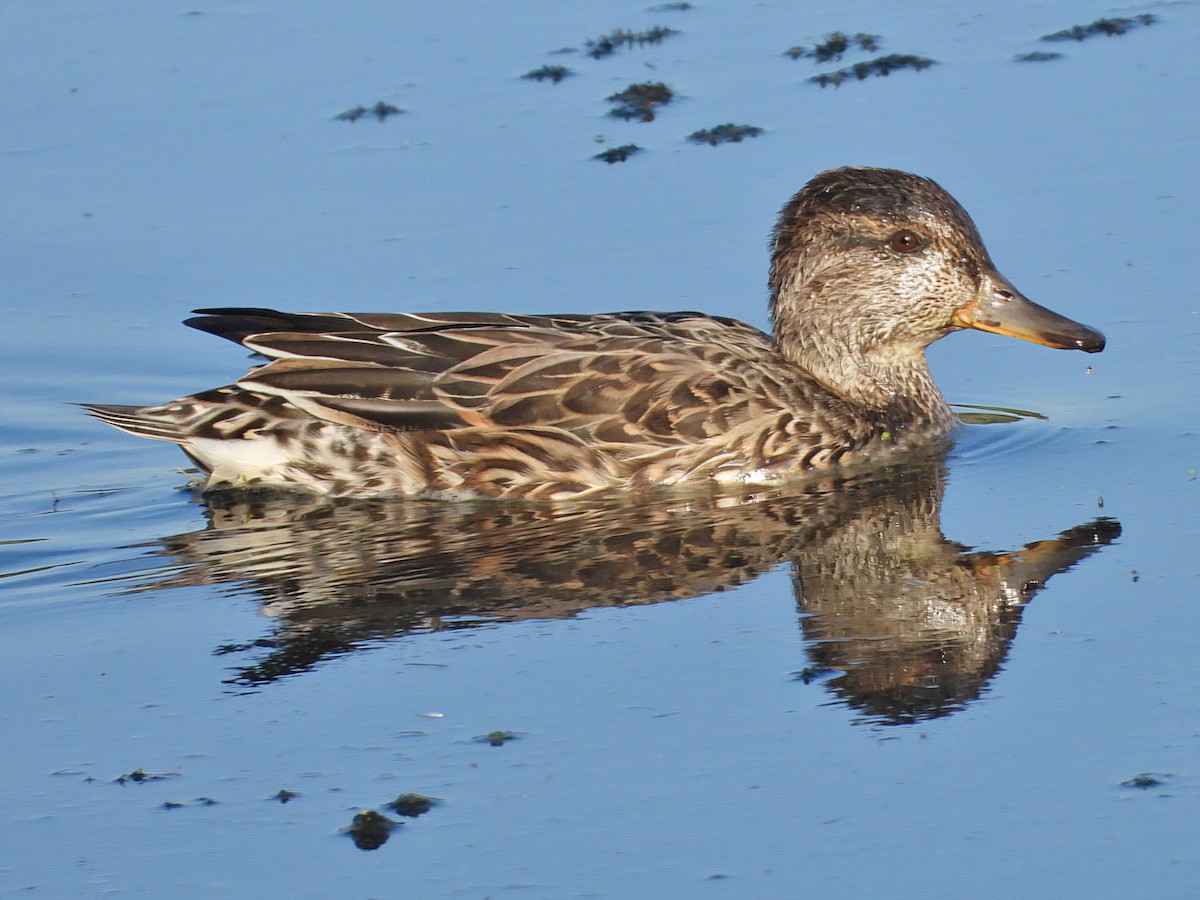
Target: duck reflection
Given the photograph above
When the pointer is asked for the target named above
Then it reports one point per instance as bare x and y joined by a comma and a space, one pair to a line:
901, 623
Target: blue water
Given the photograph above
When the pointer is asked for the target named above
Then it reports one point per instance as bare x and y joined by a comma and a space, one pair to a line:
161, 157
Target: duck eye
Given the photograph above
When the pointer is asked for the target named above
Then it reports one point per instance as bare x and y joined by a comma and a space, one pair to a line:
905, 241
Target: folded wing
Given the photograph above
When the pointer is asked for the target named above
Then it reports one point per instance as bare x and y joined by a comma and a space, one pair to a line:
625, 378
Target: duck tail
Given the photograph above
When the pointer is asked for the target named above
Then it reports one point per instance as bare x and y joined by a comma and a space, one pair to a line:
143, 421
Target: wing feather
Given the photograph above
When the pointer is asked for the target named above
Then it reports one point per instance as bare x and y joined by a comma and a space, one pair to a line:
622, 378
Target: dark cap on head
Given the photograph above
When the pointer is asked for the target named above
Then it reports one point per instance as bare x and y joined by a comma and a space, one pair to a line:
880, 193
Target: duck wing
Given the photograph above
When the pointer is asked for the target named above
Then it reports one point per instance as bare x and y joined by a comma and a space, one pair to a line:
621, 378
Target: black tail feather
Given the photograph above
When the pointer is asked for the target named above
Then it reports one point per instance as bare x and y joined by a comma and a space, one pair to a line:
238, 323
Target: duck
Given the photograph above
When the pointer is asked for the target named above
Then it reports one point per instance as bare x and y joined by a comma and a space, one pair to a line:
869, 266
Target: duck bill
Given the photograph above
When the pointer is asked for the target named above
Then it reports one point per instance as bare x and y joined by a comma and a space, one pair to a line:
1001, 309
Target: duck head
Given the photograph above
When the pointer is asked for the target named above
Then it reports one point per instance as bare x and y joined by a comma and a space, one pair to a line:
870, 266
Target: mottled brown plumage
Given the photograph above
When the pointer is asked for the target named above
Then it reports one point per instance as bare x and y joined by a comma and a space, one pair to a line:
869, 267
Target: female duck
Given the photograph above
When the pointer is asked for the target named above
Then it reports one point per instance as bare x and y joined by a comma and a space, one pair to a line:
869, 267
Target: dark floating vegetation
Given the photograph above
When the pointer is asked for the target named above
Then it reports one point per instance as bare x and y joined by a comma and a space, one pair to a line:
611, 43
834, 45
638, 101
553, 74
641, 101
618, 154
882, 67
380, 111
671, 7
1106, 27
724, 134
411, 805
371, 830
140, 776
200, 801
1037, 56
498, 738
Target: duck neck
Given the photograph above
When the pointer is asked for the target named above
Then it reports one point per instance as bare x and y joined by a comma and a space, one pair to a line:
846, 354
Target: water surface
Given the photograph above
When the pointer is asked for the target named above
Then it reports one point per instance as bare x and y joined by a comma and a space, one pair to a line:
933, 682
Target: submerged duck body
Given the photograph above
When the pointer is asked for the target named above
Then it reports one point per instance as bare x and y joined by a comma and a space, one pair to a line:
869, 267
